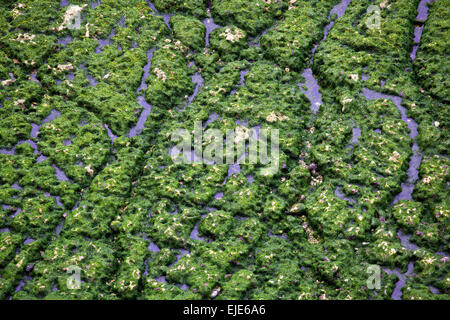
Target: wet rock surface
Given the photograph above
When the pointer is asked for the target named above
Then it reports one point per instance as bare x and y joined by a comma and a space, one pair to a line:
88, 180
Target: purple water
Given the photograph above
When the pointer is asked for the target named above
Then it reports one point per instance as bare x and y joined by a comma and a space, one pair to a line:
146, 107
103, 42
65, 40
41, 158
210, 26
397, 293
60, 226
212, 117
60, 175
373, 95
111, 135
146, 268
182, 253
356, 134
189, 155
404, 240
243, 123
70, 76
8, 152
57, 198
16, 186
338, 193
147, 67
417, 36
408, 186
339, 10
422, 15
183, 286
22, 283
16, 213
241, 81
122, 22
233, 168
174, 152
198, 80
33, 78
312, 92
28, 240
161, 279
90, 78
283, 236
152, 247
434, 290
194, 234
52, 116
166, 16
95, 4
422, 9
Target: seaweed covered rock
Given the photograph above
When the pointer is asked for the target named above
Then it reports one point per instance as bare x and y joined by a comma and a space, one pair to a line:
252, 16
432, 65
228, 41
169, 81
191, 32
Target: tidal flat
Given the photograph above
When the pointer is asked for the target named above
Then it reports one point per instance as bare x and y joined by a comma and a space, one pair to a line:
358, 206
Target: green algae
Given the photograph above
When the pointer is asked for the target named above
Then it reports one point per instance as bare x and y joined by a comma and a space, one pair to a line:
191, 32
432, 65
196, 8
217, 224
169, 81
291, 40
284, 236
229, 41
252, 16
